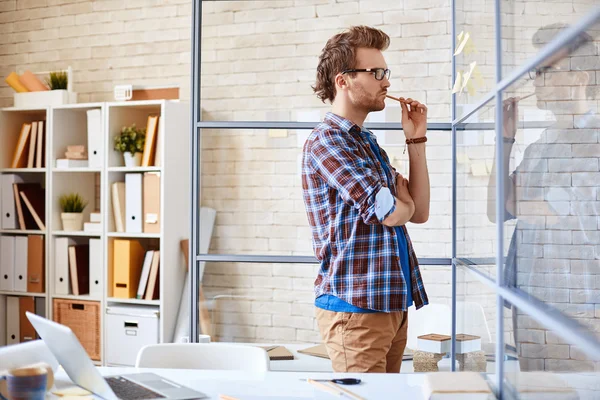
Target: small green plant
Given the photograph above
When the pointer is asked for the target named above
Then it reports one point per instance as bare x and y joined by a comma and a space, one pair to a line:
72, 203
131, 139
57, 80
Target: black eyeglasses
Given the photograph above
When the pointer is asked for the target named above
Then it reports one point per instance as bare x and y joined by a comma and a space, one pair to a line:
379, 73
537, 72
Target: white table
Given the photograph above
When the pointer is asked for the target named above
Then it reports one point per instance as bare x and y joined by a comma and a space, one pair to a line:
276, 385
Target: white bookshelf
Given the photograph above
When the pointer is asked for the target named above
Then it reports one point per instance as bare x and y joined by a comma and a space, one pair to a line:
67, 125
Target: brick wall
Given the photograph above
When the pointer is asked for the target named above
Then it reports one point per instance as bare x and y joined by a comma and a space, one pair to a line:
258, 62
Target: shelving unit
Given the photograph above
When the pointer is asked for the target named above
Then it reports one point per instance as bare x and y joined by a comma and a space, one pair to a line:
67, 125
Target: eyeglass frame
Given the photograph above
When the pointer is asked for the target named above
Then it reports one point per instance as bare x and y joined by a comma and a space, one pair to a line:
387, 73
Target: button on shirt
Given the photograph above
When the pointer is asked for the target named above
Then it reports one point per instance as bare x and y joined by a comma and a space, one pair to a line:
343, 180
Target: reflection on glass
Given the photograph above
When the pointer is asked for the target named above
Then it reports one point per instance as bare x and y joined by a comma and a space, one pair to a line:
525, 25
552, 170
475, 227
475, 323
547, 366
252, 178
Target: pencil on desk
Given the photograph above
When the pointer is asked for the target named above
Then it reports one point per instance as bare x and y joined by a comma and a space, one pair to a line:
348, 392
324, 387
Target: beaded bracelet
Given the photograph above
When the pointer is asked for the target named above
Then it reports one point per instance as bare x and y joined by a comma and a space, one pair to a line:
415, 140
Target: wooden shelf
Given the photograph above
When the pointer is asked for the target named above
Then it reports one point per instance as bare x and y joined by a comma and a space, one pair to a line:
86, 297
77, 233
133, 235
22, 232
25, 294
21, 170
134, 169
133, 301
73, 169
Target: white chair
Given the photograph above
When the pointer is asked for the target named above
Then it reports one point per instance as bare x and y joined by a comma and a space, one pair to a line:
432, 318
221, 356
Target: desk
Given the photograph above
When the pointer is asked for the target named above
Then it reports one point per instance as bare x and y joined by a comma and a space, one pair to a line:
276, 385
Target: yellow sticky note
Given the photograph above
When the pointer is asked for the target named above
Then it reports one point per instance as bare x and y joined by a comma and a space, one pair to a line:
72, 391
458, 83
462, 43
479, 169
466, 79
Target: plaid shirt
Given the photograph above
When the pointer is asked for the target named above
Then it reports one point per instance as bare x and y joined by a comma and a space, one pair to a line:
359, 255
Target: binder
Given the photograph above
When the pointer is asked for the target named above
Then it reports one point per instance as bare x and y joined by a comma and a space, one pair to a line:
153, 289
39, 157
151, 203
40, 306
79, 268
26, 330
128, 256
95, 263
3, 319
133, 203
20, 276
94, 138
35, 264
32, 148
9, 212
33, 198
145, 274
62, 283
13, 334
25, 217
20, 156
118, 202
7, 263
150, 142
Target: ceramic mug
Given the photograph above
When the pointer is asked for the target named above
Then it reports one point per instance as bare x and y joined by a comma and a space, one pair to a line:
27, 383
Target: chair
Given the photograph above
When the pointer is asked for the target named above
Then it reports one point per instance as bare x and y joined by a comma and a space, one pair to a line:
432, 318
213, 356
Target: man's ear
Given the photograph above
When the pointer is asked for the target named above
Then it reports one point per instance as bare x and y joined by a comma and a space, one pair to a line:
340, 81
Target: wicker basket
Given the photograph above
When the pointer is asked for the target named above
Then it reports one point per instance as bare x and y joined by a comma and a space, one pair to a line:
83, 317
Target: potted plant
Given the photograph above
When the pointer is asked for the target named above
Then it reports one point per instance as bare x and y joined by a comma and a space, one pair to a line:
130, 142
72, 206
58, 80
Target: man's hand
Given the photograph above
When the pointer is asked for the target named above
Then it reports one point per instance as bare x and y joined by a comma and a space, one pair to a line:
402, 190
511, 116
414, 120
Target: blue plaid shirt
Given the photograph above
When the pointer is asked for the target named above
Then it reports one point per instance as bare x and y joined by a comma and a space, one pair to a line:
360, 261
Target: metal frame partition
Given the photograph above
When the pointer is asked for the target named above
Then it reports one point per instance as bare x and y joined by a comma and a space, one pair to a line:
195, 258
539, 311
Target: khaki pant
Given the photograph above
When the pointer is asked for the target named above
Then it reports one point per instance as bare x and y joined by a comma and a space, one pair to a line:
364, 342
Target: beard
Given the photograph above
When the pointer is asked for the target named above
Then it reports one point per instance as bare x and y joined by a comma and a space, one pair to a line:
364, 100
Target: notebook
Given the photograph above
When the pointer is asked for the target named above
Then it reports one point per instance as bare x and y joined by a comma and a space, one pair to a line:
278, 353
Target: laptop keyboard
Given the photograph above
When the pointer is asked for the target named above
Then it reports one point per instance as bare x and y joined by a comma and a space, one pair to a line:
127, 390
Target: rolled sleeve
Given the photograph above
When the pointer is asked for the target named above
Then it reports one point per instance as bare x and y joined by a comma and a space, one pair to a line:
385, 204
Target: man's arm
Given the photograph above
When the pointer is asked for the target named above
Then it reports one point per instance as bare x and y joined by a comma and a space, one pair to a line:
404, 205
418, 183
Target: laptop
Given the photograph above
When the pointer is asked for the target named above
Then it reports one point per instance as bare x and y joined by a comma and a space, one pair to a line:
69, 352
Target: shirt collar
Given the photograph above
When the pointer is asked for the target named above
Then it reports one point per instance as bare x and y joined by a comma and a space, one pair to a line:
342, 123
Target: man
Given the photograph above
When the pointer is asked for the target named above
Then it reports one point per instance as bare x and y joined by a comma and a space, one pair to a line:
358, 205
552, 192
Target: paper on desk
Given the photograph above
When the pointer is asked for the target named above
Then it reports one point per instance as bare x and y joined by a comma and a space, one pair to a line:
71, 391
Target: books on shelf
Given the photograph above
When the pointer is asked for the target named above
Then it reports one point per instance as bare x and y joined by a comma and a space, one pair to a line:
148, 156
34, 200
128, 258
145, 274
36, 195
118, 203
79, 268
152, 291
19, 160
32, 134
39, 157
151, 202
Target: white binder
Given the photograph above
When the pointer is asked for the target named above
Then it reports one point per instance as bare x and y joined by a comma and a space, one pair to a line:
20, 275
9, 213
13, 332
3, 320
133, 203
62, 283
94, 138
7, 263
96, 261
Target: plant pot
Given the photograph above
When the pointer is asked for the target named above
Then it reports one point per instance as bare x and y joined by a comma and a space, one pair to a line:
72, 221
132, 160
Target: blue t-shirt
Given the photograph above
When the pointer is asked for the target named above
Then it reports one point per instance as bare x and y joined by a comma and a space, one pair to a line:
333, 303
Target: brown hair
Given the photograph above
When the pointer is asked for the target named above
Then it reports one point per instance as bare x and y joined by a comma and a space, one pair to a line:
339, 55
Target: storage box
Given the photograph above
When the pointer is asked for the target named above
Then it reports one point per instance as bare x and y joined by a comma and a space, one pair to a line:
49, 98
128, 329
83, 317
